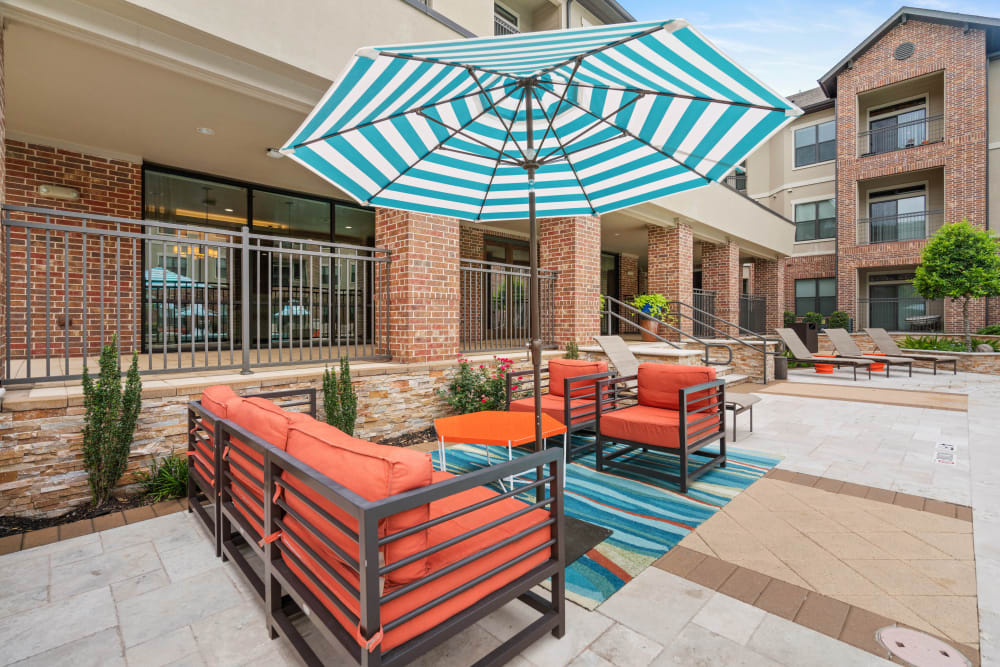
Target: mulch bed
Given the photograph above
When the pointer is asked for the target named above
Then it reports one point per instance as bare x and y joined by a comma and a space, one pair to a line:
11, 525
411, 438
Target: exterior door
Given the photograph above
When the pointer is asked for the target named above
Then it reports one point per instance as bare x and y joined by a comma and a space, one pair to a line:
609, 286
882, 137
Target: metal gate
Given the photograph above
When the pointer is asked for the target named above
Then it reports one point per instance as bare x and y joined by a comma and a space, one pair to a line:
703, 300
753, 313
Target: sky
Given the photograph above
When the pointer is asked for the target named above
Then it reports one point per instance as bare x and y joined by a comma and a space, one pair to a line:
789, 45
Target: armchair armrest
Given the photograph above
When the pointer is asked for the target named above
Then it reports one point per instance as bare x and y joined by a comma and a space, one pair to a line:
583, 412
706, 403
525, 382
606, 395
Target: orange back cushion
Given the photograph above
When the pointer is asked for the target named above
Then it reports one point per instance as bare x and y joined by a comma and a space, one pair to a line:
659, 383
560, 369
216, 399
373, 472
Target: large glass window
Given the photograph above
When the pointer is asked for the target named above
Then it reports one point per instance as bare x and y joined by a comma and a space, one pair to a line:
815, 295
898, 215
899, 126
278, 214
816, 143
507, 251
815, 220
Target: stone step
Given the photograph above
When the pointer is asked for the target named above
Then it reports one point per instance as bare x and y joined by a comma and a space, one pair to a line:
722, 371
736, 379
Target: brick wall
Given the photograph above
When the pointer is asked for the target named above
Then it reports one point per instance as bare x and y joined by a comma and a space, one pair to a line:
77, 285
961, 56
572, 246
671, 264
424, 283
768, 280
721, 272
809, 266
628, 284
3, 180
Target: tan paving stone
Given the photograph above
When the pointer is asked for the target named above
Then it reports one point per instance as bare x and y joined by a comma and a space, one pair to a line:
823, 614
831, 485
849, 545
904, 546
805, 480
861, 521
781, 475
892, 608
10, 543
37, 538
963, 513
854, 490
829, 576
938, 507
881, 495
711, 572
111, 520
679, 561
734, 545
782, 599
957, 616
775, 568
860, 627
956, 545
745, 585
166, 507
809, 521
896, 577
909, 501
913, 521
138, 514
797, 547
76, 529
958, 576
695, 543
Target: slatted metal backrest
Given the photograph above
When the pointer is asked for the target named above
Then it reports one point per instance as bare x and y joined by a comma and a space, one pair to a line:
794, 343
884, 341
842, 342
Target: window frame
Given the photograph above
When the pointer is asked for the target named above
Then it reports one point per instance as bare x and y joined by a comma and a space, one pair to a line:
816, 143
816, 298
816, 221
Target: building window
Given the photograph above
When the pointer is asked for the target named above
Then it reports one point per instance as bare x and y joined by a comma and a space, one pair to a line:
505, 21
816, 143
815, 295
898, 126
816, 220
506, 251
898, 215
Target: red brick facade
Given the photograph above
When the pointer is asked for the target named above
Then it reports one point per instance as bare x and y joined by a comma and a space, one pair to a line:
424, 285
961, 56
572, 246
628, 284
722, 273
806, 266
76, 283
671, 265
767, 279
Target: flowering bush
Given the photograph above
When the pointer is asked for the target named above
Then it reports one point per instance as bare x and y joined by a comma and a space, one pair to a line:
474, 389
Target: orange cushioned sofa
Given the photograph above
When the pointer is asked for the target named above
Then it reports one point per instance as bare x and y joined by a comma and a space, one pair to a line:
389, 557
678, 409
570, 396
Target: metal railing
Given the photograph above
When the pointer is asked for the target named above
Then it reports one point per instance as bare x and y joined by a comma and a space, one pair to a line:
185, 297
902, 227
753, 313
495, 305
902, 135
502, 26
704, 301
903, 314
737, 182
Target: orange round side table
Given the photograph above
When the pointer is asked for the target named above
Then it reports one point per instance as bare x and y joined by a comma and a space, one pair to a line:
824, 369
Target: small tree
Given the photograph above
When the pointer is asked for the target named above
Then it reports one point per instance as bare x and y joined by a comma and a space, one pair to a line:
340, 401
572, 350
962, 263
789, 318
110, 416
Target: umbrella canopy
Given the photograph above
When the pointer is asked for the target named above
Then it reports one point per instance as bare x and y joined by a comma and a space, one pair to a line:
561, 123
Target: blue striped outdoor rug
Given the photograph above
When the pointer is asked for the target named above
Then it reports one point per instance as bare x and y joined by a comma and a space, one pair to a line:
647, 516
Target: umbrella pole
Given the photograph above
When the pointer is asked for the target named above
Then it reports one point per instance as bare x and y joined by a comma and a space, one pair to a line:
535, 310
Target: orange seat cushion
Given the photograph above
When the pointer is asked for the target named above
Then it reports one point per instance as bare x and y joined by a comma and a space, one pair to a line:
560, 369
371, 471
580, 410
270, 423
659, 384
216, 399
448, 582
645, 424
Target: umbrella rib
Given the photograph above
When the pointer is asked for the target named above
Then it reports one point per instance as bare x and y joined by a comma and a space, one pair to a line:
562, 98
496, 113
431, 150
555, 136
460, 132
449, 149
398, 114
582, 133
680, 96
644, 142
581, 56
496, 166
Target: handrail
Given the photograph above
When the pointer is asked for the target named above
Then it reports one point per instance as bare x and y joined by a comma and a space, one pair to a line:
707, 344
764, 339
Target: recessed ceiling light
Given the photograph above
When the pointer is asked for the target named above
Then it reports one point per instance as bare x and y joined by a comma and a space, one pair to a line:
348, 227
275, 153
229, 210
205, 130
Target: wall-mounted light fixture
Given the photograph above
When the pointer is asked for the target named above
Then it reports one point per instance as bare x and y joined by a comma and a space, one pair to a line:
58, 192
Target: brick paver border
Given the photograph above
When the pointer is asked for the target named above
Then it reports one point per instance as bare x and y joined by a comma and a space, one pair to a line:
66, 531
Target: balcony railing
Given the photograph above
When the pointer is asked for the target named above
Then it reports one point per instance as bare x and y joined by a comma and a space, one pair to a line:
904, 314
495, 305
902, 135
502, 26
185, 297
737, 182
903, 227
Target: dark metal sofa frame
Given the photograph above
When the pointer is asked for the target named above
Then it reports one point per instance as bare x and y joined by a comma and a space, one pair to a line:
693, 436
579, 418
285, 594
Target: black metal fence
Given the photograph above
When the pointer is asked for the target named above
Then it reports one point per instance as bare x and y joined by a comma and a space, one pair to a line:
902, 227
896, 136
185, 297
703, 300
753, 313
495, 308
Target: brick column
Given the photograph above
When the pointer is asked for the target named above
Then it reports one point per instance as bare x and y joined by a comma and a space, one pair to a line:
769, 282
3, 195
628, 283
424, 293
572, 246
721, 272
671, 265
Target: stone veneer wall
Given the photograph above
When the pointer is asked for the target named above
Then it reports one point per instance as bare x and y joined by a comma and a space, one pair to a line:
41, 469
968, 362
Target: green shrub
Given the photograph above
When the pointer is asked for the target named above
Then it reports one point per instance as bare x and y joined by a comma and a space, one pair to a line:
789, 318
478, 389
572, 351
792, 363
166, 478
110, 416
944, 344
839, 320
992, 330
815, 318
340, 401
654, 305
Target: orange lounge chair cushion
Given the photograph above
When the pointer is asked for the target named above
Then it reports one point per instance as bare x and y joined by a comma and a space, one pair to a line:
553, 406
270, 423
659, 384
216, 399
560, 369
642, 423
371, 471
435, 589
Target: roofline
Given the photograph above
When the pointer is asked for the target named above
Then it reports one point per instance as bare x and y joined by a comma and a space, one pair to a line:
608, 10
818, 106
828, 82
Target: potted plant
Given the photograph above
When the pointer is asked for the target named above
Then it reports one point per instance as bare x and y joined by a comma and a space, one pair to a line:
655, 307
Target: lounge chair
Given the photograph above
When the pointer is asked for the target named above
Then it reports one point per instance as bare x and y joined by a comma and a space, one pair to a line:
618, 353
846, 347
884, 342
802, 354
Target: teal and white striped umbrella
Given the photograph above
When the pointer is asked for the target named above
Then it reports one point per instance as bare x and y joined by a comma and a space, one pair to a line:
619, 115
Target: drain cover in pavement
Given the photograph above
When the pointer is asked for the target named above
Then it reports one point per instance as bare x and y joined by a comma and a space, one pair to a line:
919, 649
